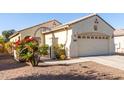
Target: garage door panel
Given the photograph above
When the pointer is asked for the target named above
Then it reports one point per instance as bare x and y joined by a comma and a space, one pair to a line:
89, 47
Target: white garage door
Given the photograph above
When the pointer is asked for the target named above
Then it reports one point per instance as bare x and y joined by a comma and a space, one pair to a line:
88, 46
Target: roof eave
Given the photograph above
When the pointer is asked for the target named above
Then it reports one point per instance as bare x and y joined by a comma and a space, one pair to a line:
56, 29
106, 22
118, 35
14, 35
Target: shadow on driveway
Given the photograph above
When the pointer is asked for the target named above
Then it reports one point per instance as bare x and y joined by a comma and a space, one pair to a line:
7, 62
11, 66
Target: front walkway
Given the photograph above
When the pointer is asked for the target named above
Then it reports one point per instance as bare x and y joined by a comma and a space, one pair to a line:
115, 61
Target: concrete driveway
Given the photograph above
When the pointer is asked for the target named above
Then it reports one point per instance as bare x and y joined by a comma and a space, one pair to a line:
115, 61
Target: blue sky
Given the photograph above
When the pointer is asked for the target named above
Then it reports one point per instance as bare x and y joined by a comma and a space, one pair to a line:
19, 21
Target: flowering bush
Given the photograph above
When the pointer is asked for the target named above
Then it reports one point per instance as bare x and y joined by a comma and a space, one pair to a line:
27, 49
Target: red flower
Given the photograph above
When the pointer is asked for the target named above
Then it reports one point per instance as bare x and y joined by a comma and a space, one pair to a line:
28, 39
31, 38
17, 43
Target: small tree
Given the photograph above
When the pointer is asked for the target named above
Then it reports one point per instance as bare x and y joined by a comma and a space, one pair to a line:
7, 33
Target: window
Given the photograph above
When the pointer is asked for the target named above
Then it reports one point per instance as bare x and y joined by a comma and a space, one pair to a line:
95, 27
106, 38
79, 36
99, 37
88, 37
54, 23
92, 37
74, 40
103, 37
96, 21
96, 37
83, 37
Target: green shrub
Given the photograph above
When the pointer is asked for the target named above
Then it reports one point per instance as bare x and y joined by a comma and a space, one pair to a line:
59, 52
1, 48
43, 50
8, 47
2, 44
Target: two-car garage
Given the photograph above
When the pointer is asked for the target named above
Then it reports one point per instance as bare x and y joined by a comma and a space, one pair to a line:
89, 45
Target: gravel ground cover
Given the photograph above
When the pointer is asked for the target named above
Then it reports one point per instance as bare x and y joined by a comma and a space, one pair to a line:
10, 70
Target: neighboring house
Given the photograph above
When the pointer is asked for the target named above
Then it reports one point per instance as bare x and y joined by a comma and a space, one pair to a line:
87, 36
119, 40
34, 31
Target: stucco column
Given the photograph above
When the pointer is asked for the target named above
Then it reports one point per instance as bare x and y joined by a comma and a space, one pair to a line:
74, 46
15, 53
111, 45
54, 41
42, 39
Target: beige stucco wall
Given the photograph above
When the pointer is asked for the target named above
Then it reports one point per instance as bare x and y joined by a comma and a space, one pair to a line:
111, 46
63, 37
14, 39
48, 39
88, 26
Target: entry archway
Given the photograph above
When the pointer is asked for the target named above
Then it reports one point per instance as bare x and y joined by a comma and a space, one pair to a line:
39, 35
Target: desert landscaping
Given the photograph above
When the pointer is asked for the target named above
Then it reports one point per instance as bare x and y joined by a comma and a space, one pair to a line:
11, 70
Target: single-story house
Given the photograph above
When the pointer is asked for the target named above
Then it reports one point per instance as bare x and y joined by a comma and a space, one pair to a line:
119, 40
34, 31
87, 36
